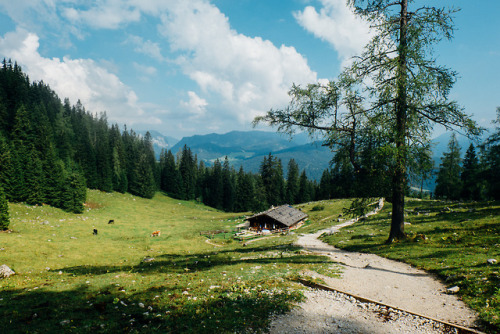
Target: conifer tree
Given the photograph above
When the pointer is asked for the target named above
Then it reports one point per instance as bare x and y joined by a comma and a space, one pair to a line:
74, 193
144, 184
245, 192
292, 182
216, 187
448, 182
187, 169
325, 185
4, 211
228, 191
471, 183
7, 172
492, 154
304, 189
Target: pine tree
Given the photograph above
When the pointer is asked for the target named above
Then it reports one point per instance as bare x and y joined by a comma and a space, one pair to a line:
216, 187
187, 169
292, 182
304, 189
4, 211
492, 155
228, 191
471, 189
245, 192
271, 172
74, 193
7, 171
325, 185
34, 179
448, 182
144, 184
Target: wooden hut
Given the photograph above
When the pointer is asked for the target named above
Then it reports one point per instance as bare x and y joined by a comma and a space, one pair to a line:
277, 218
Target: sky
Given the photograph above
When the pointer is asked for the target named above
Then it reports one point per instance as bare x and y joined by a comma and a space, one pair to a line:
185, 67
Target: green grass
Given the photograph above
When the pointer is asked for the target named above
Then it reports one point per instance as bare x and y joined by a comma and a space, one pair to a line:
70, 281
455, 244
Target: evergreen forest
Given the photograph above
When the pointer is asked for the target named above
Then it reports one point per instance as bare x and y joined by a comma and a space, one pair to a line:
52, 151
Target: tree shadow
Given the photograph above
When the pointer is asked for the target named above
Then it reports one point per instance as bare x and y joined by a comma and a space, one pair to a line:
200, 262
85, 310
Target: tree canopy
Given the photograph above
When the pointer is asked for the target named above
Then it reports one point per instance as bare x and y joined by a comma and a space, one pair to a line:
394, 92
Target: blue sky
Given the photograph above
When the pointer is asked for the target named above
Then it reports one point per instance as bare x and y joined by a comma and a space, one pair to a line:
185, 67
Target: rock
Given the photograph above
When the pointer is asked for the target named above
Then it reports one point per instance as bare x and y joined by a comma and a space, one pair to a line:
453, 290
491, 261
148, 259
5, 271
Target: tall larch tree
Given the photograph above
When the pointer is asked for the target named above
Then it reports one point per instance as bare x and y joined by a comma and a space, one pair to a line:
404, 92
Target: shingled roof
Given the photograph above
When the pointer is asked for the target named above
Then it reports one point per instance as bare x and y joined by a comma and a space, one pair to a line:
284, 214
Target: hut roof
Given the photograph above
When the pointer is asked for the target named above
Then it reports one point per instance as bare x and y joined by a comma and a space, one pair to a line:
284, 214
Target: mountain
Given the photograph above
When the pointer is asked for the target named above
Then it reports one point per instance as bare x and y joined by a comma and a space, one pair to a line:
160, 141
248, 149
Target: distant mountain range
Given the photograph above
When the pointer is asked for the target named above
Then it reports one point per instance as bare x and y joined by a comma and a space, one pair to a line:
160, 141
248, 149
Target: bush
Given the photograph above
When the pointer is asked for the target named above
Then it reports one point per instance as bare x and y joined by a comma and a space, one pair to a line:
318, 208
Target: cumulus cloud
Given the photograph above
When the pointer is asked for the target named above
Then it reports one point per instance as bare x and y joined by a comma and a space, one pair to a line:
238, 76
249, 75
196, 106
146, 47
336, 24
77, 79
110, 14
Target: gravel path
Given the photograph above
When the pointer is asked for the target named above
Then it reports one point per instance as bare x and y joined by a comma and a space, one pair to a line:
375, 278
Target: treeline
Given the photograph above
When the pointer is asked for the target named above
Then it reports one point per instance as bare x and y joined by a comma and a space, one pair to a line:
51, 151
222, 187
476, 176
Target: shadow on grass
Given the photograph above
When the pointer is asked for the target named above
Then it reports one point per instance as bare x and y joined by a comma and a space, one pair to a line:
84, 310
182, 263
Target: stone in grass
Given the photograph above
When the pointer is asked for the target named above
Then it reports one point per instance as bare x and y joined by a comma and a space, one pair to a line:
5, 271
148, 259
491, 261
453, 290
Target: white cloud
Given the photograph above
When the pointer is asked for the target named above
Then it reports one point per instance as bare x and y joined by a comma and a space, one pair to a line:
238, 76
110, 14
336, 24
147, 47
250, 75
196, 106
77, 79
145, 70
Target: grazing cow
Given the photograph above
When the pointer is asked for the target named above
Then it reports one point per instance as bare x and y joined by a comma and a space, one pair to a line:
112, 221
156, 234
95, 231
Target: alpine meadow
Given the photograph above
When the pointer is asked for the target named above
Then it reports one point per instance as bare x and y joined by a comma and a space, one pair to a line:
338, 169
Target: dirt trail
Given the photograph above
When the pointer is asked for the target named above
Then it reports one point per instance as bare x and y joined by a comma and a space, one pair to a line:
389, 282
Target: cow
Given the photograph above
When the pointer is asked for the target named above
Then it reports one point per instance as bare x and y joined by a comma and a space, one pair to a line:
95, 231
111, 221
156, 234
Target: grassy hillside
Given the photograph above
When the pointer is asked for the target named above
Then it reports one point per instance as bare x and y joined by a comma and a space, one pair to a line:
453, 240
69, 280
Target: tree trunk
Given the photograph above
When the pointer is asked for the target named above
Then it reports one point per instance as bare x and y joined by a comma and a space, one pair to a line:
399, 176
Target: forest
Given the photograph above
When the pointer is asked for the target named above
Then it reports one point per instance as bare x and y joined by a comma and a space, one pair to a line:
52, 151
